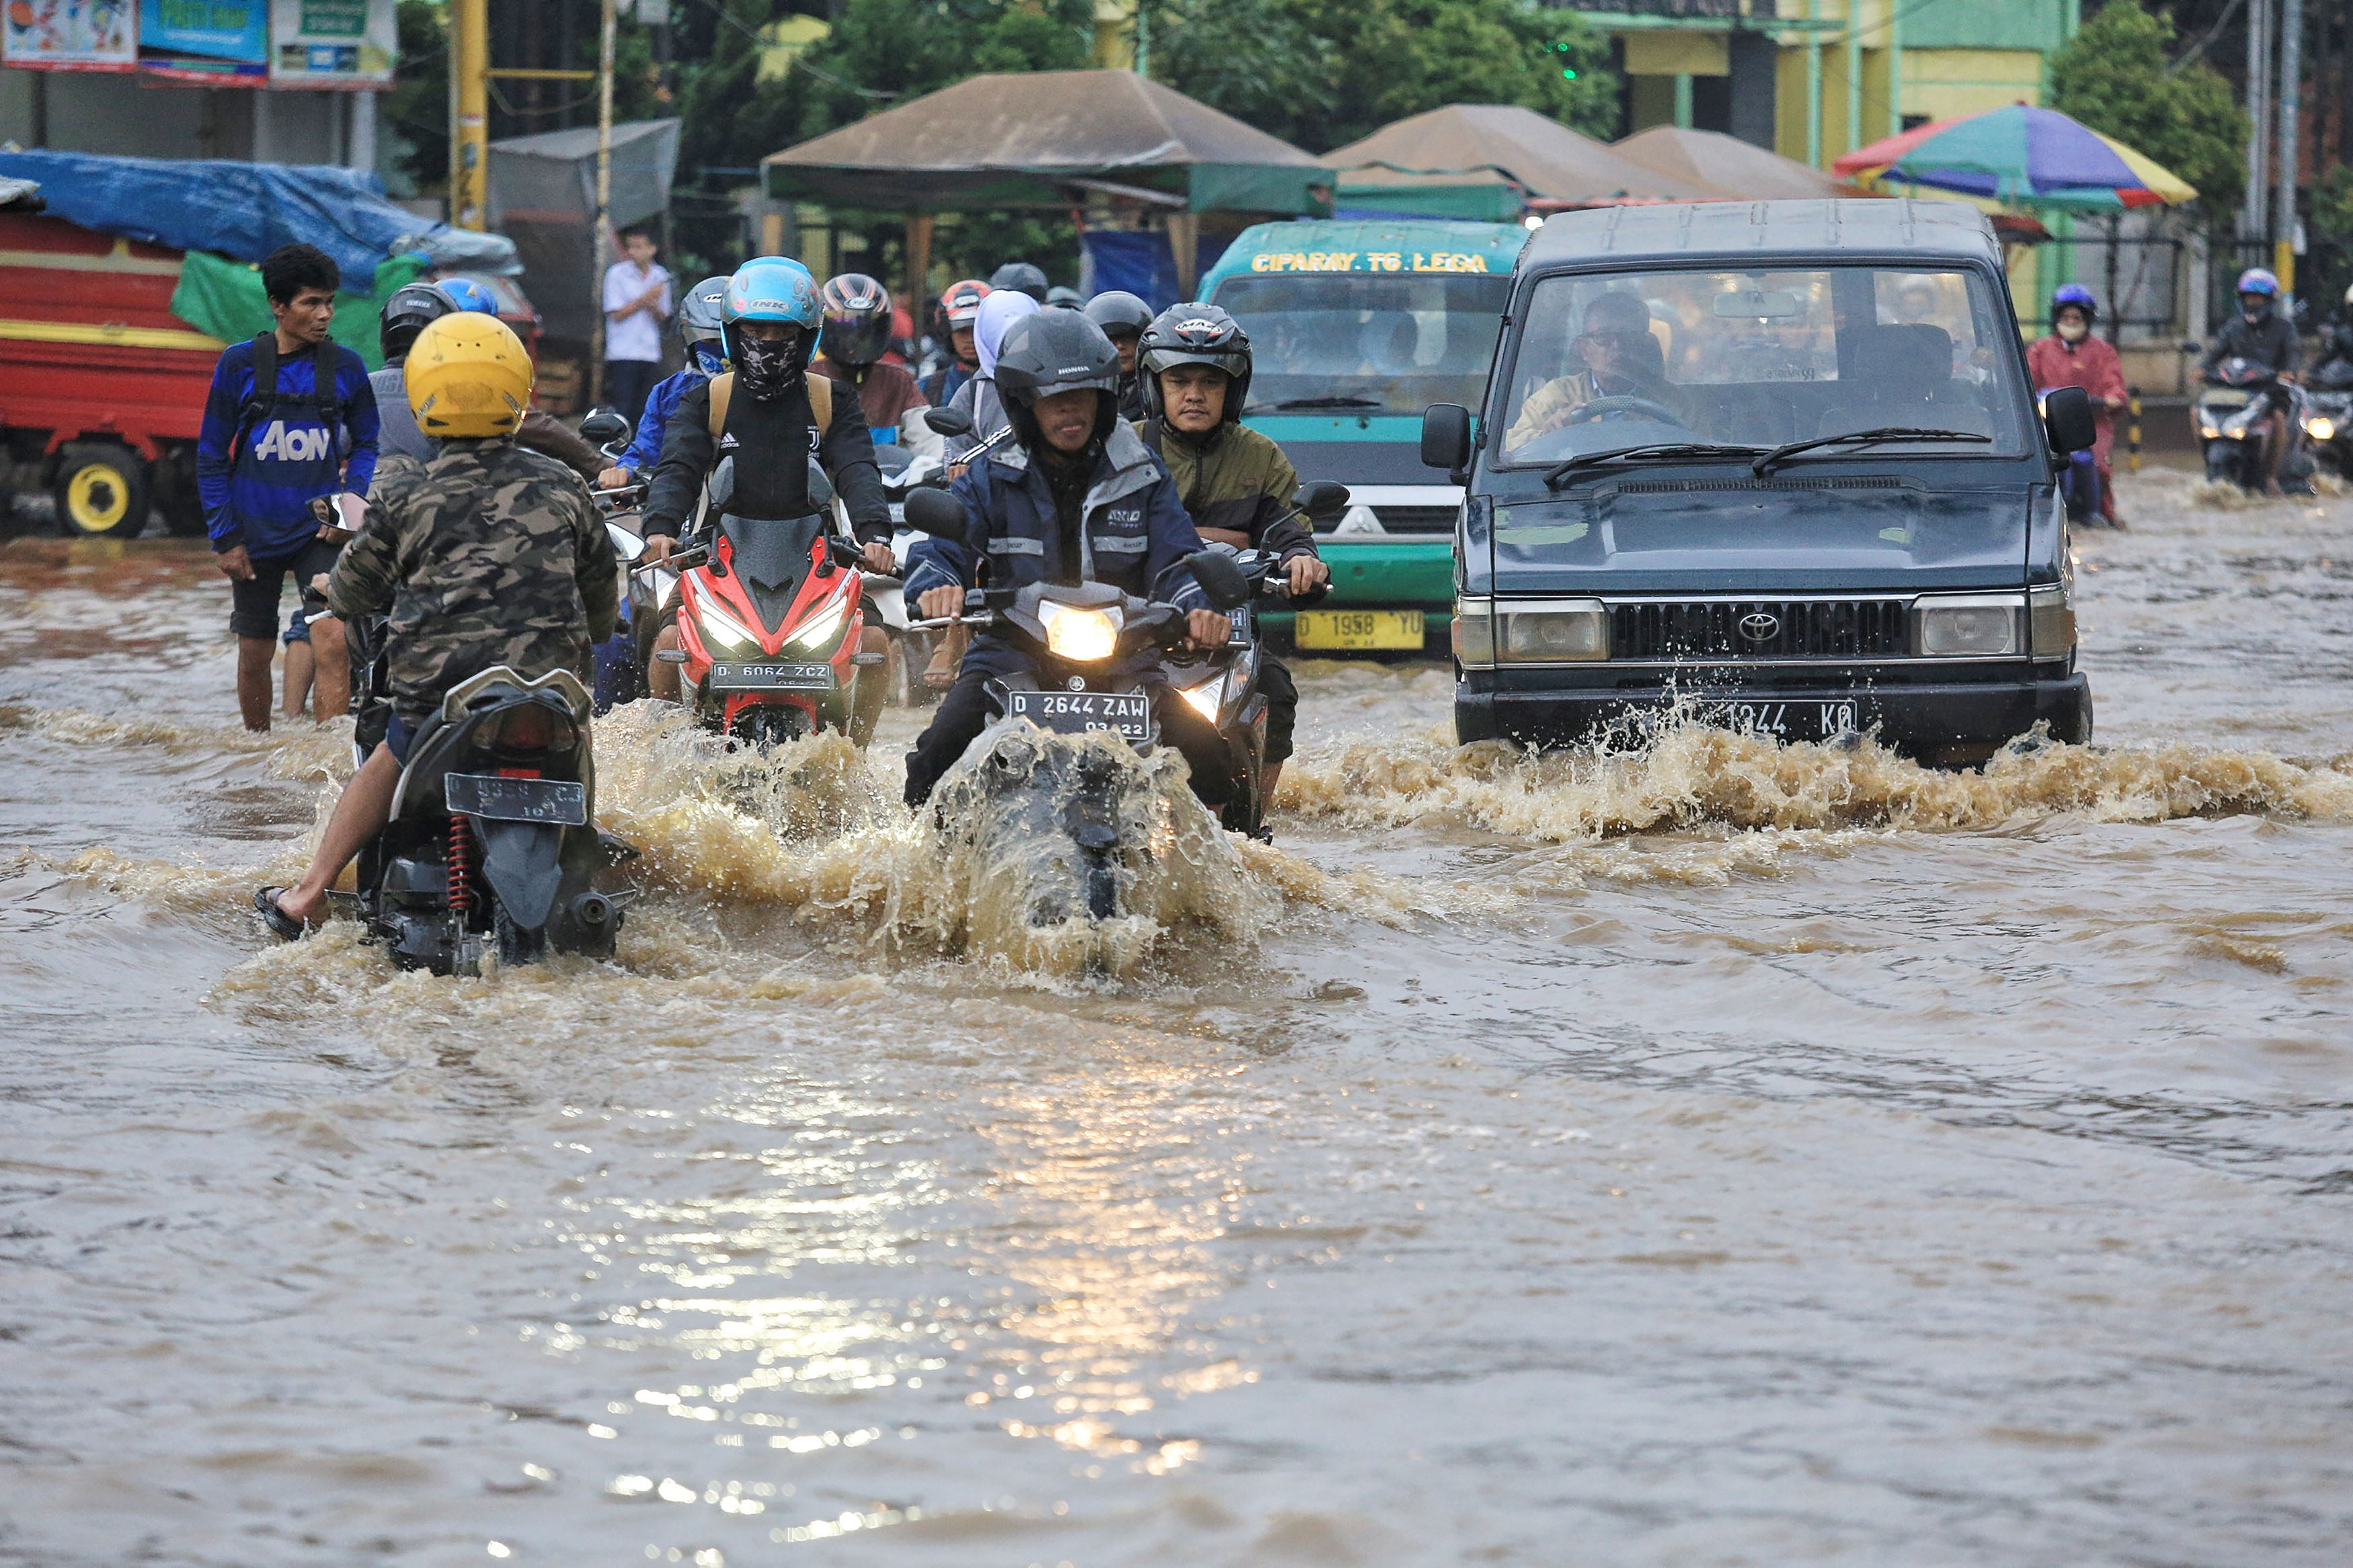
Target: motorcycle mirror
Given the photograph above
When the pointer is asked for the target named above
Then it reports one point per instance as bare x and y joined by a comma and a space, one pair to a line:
2192, 345
1219, 578
936, 512
949, 421
2067, 416
1323, 500
605, 427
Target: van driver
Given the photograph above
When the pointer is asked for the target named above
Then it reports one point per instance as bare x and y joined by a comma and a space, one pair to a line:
1621, 359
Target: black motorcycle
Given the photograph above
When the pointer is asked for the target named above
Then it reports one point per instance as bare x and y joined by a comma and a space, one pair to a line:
492, 845
2328, 424
2233, 406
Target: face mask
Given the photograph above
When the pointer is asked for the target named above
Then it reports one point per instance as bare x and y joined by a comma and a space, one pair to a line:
2256, 310
2072, 332
708, 359
763, 369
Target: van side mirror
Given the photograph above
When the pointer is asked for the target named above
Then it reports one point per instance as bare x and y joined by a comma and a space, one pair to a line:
2067, 418
1324, 501
1446, 437
946, 421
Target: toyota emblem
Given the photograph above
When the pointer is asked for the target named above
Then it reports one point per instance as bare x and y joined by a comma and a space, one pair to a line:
1760, 626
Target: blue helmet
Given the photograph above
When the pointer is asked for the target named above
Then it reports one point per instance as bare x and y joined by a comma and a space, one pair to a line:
2257, 280
702, 322
772, 288
469, 295
2074, 294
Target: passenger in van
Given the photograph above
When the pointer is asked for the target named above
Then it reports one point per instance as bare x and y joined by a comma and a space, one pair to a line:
1620, 357
1901, 374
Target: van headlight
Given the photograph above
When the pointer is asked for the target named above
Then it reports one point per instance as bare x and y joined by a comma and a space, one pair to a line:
1474, 633
2050, 623
1566, 631
1079, 634
1967, 626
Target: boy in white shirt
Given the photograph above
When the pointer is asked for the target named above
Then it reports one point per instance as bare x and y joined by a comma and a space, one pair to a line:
637, 302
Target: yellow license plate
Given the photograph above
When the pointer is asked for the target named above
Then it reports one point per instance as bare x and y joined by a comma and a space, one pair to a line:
1358, 631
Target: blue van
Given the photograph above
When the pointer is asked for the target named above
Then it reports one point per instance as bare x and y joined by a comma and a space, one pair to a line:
1356, 328
1778, 462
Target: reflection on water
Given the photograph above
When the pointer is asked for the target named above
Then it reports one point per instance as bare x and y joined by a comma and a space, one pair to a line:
1719, 1151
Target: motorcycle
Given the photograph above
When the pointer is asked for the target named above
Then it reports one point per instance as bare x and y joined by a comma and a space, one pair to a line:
620, 660
2329, 425
2233, 405
492, 843
2079, 480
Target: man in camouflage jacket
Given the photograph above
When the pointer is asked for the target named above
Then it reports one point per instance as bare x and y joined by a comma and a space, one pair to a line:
489, 555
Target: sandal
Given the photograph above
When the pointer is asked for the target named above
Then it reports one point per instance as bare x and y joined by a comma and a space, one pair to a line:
283, 926
947, 659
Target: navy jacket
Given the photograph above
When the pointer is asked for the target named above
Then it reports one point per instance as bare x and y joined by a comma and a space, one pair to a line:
257, 484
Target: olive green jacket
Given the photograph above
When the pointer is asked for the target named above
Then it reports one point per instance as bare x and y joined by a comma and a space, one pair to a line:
1234, 478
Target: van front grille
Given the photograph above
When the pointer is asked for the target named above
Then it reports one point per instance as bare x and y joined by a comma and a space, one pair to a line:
1762, 628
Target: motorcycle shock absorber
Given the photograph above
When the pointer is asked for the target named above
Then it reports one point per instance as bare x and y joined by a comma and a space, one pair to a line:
462, 868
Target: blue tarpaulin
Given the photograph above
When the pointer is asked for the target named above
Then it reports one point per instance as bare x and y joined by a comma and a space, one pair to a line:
242, 211
1140, 263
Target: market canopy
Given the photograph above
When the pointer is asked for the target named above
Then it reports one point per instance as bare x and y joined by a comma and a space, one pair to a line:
1491, 161
2022, 155
1737, 168
1036, 139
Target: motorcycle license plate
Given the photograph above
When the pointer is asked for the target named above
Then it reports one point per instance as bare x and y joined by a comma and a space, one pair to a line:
1128, 712
771, 678
1358, 631
558, 801
1792, 721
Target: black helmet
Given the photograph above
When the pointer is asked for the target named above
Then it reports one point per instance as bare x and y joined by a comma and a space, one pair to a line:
1195, 334
1022, 275
1119, 313
1048, 351
1062, 297
856, 327
412, 305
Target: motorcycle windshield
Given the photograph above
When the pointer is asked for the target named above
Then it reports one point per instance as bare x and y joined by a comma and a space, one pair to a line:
772, 555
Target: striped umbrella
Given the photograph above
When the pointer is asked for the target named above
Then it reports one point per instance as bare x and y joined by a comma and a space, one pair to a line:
2021, 155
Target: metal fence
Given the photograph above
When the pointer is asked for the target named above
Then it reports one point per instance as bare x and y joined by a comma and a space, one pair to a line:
2137, 277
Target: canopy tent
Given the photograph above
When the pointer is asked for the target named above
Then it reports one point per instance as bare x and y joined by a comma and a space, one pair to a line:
1737, 168
1041, 139
1493, 162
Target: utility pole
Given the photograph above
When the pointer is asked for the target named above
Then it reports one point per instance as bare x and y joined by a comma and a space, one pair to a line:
470, 137
2254, 223
2291, 74
598, 249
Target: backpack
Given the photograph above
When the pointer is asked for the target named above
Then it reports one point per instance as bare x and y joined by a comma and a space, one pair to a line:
264, 398
820, 397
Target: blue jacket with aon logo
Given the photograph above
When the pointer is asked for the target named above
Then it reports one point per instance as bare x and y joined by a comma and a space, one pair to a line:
257, 484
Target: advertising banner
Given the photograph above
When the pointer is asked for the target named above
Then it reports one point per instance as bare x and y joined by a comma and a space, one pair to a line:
70, 34
332, 43
222, 43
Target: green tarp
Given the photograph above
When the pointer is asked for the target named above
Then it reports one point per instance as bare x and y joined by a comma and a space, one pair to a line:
225, 300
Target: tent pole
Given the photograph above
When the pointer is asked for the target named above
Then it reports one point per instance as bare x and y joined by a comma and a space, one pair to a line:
597, 243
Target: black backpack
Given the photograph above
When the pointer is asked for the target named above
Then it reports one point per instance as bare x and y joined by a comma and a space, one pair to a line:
265, 399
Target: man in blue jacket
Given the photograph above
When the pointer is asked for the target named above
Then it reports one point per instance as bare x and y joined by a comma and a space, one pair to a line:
704, 333
1077, 498
290, 420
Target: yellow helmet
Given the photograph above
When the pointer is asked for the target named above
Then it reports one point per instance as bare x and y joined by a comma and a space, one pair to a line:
468, 376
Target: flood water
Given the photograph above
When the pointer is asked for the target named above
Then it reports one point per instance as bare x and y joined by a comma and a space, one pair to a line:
1727, 1153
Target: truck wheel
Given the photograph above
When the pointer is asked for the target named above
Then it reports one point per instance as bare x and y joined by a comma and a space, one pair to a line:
101, 491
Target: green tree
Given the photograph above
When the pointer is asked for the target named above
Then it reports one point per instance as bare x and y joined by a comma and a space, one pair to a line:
2112, 76
416, 110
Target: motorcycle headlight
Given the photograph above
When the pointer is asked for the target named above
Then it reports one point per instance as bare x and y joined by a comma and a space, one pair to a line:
822, 632
1208, 699
722, 630
1571, 631
1967, 626
2321, 429
1079, 634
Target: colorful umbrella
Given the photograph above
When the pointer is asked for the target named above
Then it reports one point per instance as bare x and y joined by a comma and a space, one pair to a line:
2017, 154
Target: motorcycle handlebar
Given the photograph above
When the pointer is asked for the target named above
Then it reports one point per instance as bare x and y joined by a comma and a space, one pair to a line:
680, 561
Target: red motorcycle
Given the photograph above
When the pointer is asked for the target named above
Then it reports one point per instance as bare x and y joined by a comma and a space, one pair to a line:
770, 613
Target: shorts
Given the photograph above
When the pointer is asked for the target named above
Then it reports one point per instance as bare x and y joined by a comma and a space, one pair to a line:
298, 626
397, 736
253, 603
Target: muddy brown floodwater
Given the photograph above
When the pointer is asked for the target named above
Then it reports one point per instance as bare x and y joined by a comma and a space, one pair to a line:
1728, 1154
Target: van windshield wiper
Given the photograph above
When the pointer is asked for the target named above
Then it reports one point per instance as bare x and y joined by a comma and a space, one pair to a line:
1340, 402
1781, 454
1648, 452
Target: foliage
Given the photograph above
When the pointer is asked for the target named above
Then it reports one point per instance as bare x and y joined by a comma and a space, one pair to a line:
2113, 76
417, 110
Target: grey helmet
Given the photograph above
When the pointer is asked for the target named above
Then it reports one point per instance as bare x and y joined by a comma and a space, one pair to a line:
1119, 313
1021, 275
1052, 352
700, 321
1062, 297
1195, 334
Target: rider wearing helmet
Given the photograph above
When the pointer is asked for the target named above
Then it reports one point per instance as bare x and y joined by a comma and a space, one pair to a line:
851, 346
1062, 297
765, 435
960, 309
1074, 498
412, 308
487, 554
978, 397
2262, 335
1235, 482
2071, 356
1123, 317
1022, 275
699, 328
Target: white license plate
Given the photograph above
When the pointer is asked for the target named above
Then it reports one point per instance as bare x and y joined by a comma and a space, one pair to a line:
1791, 720
1127, 713
559, 801
771, 678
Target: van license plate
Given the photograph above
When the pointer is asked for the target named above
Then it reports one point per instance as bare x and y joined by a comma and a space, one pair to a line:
771, 678
1127, 713
1791, 720
1358, 631
559, 801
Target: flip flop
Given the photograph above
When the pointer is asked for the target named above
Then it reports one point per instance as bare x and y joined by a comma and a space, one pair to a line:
285, 927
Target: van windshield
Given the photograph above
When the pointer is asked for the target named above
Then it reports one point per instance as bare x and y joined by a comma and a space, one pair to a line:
1761, 358
1366, 342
